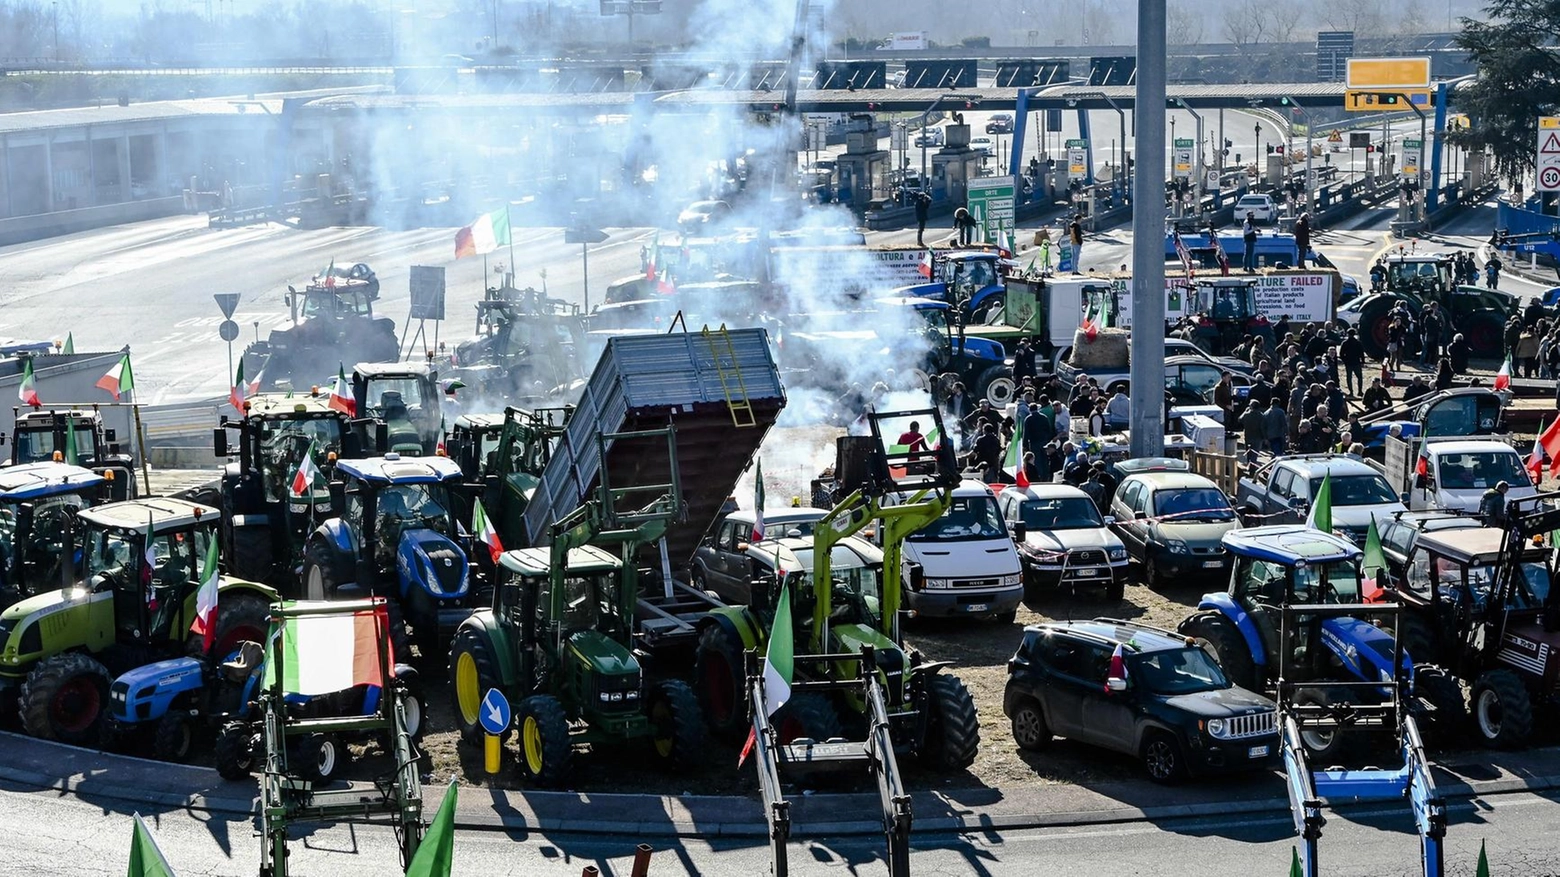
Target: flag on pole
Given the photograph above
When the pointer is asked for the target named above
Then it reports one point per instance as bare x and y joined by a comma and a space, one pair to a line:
778, 667
436, 854
1218, 252
237, 395
323, 654
118, 379
1374, 565
486, 234
1014, 458
1118, 666
70, 344
1183, 253
72, 456
304, 478
758, 504
442, 449
1320, 517
1549, 440
1483, 869
485, 532
341, 395
652, 264
205, 624
28, 391
1422, 466
1503, 377
328, 276
1294, 863
1091, 329
927, 264
146, 860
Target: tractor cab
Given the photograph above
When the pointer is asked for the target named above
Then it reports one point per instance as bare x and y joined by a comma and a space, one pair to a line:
1226, 309
148, 555
513, 468
77, 437
1286, 565
407, 398
337, 294
1427, 276
526, 343
473, 443
38, 530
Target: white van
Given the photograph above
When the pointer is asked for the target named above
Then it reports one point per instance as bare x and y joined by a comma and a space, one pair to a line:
967, 562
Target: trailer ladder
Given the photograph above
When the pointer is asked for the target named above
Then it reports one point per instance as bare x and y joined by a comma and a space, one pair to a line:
729, 374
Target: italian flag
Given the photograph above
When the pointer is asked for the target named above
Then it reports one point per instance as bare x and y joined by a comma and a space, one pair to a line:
241, 390
1503, 377
1320, 517
206, 599
758, 505
653, 263
1014, 458
484, 235
1091, 329
1373, 566
118, 379
926, 265
146, 859
340, 394
328, 276
323, 654
485, 532
779, 664
28, 391
304, 478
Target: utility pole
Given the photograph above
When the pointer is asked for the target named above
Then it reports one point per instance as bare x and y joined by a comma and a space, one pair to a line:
55, 7
1148, 229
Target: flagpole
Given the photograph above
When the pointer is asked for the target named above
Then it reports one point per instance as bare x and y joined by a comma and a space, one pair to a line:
512, 266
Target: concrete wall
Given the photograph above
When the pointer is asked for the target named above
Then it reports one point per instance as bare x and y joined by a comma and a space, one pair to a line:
43, 225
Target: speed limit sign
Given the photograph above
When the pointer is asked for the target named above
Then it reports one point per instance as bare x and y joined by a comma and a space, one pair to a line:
1549, 179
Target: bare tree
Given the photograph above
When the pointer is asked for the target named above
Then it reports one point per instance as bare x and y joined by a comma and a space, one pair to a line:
1360, 16
1246, 23
1183, 24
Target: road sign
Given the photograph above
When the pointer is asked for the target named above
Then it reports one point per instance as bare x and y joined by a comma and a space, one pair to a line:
1374, 74
228, 330
898, 141
1077, 159
1182, 163
1335, 137
992, 201
228, 302
494, 714
1548, 161
427, 288
1359, 139
1385, 100
1411, 152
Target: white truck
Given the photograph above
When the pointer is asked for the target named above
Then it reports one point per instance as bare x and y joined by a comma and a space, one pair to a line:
1453, 472
907, 41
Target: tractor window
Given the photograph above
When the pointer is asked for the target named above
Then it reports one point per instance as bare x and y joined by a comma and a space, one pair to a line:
587, 602
174, 572
1416, 577
395, 398
413, 505
283, 444
45, 550
353, 516
1261, 582
1337, 582
1532, 585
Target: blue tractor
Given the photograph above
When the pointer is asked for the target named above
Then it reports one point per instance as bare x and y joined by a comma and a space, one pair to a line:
1278, 572
397, 537
967, 279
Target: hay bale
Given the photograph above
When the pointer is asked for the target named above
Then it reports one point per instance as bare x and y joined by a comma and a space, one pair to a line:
1109, 349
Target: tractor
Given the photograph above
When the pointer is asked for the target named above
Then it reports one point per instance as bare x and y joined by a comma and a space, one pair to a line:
264, 521
1283, 566
78, 437
1226, 309
1481, 600
1416, 280
141, 567
528, 346
407, 398
38, 532
931, 714
509, 465
332, 321
559, 640
396, 536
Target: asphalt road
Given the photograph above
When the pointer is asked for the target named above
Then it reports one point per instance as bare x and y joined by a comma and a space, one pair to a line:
55, 835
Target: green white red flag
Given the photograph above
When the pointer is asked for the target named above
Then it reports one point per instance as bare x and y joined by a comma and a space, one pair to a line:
323, 654
28, 391
484, 235
1503, 377
485, 532
341, 395
303, 479
205, 624
779, 667
119, 379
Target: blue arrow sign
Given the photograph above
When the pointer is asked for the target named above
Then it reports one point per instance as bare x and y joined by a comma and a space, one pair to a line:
494, 715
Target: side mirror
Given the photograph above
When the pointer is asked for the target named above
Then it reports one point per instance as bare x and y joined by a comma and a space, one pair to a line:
1019, 529
219, 443
1139, 516
1115, 684
110, 435
1109, 520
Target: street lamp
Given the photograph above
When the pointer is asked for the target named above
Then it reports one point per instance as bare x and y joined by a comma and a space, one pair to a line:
1310, 181
55, 9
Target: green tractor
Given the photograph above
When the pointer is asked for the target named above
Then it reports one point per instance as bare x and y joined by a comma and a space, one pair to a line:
407, 398
559, 640
142, 561
932, 715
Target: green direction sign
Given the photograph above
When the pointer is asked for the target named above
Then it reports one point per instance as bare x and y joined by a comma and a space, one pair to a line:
1183, 143
992, 202
1076, 143
1412, 144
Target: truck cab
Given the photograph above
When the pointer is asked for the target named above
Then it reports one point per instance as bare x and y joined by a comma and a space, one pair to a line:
1283, 490
1454, 474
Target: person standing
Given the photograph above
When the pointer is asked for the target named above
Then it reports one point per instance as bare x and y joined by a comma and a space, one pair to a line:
1459, 353
1303, 237
923, 208
1075, 235
1352, 352
1248, 234
1276, 428
1224, 397
964, 226
1492, 271
1253, 424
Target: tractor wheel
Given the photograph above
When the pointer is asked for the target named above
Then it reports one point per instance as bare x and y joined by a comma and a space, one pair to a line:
234, 751
1162, 758
251, 557
1327, 745
174, 738
412, 702
322, 571
1502, 711
241, 617
1030, 730
400, 642
678, 724
1218, 636
717, 668
63, 699
809, 716
317, 757
997, 386
472, 673
546, 750
1375, 320
1416, 639
1438, 707
952, 727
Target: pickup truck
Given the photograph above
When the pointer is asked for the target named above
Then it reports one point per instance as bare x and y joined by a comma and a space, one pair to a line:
1282, 491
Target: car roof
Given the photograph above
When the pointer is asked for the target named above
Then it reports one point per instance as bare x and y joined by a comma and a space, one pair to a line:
47, 478
970, 487
1318, 465
1468, 542
1170, 480
1048, 490
1287, 543
1431, 520
1469, 446
784, 515
1135, 465
1139, 638
163, 512
396, 469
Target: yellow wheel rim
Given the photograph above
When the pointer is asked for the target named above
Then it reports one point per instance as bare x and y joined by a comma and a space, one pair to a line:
531, 733
468, 689
659, 718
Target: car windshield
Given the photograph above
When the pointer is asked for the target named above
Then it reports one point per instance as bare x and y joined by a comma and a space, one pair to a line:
1481, 470
967, 517
1061, 513
1178, 671
1193, 503
1532, 586
1357, 490
855, 592
1336, 582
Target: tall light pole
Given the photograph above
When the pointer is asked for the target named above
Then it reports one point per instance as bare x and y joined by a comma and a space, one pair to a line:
1148, 228
55, 7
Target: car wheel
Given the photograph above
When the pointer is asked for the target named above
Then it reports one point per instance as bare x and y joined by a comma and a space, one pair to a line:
1152, 577
1162, 758
1030, 730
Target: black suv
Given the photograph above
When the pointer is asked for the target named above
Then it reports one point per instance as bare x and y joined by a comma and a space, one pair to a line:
1170, 705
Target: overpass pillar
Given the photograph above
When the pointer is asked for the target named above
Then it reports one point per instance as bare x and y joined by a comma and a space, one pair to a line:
1148, 229
123, 145
48, 175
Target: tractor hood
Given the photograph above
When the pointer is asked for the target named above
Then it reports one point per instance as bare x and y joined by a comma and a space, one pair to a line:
430, 561
602, 654
78, 618
1364, 649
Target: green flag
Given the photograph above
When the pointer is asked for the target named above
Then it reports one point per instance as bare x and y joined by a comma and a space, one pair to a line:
70, 344
436, 855
1294, 863
1374, 558
1015, 448
1321, 509
1484, 863
146, 860
71, 456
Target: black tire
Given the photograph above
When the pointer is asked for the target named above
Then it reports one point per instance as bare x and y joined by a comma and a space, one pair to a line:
1162, 758
234, 751
241, 617
809, 716
720, 680
472, 672
1374, 320
952, 725
1008, 617
250, 556
174, 737
1438, 707
997, 386
1030, 730
1416, 639
546, 749
1152, 578
1219, 636
1032, 590
1502, 710
1328, 746
318, 757
678, 738
64, 698
322, 571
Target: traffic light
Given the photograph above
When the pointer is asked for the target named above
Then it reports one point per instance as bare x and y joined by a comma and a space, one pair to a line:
1279, 149
1382, 99
1270, 149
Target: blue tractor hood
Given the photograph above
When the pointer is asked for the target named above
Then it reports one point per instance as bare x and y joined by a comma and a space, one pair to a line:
429, 561
1363, 648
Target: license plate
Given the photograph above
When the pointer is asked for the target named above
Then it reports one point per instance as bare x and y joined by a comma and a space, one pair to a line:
1088, 573
1212, 564
976, 607
1257, 752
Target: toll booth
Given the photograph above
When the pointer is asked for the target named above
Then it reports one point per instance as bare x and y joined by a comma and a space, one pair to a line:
956, 163
862, 171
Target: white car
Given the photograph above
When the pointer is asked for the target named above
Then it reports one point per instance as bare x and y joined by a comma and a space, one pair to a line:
983, 146
1261, 207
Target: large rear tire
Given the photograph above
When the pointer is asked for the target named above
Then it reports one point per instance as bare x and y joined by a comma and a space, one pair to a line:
952, 727
679, 725
241, 617
251, 557
1502, 710
63, 699
546, 750
472, 672
997, 386
1438, 707
1219, 636
318, 757
174, 738
717, 669
1374, 321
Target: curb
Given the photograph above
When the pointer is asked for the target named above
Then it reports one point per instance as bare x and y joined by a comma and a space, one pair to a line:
493, 817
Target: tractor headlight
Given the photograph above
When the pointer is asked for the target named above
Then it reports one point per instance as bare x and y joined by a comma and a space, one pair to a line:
1215, 727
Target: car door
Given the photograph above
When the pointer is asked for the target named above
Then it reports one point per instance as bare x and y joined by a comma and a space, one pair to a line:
1129, 501
1107, 715
1283, 496
730, 568
1063, 691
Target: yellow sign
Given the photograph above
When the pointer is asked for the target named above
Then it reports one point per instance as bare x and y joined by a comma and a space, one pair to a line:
1458, 122
1365, 74
1547, 122
1386, 100
1335, 137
